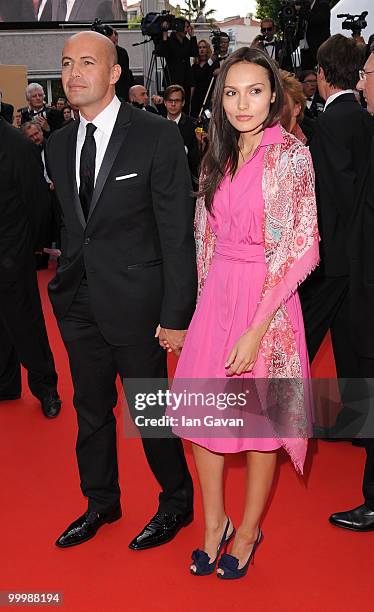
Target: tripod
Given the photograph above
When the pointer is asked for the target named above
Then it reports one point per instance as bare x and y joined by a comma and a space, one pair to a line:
153, 74
156, 68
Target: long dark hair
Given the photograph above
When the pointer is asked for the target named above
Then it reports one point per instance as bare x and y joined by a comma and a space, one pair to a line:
223, 149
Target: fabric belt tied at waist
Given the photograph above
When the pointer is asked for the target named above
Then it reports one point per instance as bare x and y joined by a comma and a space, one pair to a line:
241, 253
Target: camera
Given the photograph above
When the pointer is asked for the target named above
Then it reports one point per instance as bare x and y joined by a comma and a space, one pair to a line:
289, 16
102, 28
154, 24
216, 36
355, 23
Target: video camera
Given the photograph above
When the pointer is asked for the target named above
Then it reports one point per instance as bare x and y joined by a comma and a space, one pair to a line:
216, 37
289, 16
355, 23
154, 24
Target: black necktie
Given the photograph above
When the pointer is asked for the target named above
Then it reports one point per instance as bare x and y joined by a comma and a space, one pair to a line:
87, 169
269, 44
62, 10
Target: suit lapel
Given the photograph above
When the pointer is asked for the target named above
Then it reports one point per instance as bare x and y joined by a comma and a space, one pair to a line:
116, 140
73, 188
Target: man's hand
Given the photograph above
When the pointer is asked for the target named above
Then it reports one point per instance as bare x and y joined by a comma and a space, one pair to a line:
157, 100
171, 339
43, 123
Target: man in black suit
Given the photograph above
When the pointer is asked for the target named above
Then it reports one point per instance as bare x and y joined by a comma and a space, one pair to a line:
50, 119
174, 100
177, 49
315, 29
267, 40
339, 148
23, 337
361, 274
6, 110
127, 265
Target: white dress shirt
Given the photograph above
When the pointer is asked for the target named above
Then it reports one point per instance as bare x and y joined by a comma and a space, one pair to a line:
175, 120
336, 95
104, 123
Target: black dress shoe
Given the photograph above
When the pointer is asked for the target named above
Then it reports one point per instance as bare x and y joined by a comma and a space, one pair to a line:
9, 397
358, 519
51, 405
162, 528
86, 527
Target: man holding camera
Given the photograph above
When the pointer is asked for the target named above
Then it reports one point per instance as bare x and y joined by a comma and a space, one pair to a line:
177, 50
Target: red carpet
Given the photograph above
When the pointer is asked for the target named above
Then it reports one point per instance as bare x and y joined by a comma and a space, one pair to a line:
303, 564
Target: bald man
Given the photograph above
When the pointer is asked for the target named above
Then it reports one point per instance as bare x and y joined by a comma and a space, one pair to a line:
127, 269
138, 96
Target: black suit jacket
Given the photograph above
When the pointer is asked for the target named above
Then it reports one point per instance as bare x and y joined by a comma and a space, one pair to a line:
340, 149
361, 255
187, 129
7, 111
126, 79
137, 247
318, 28
23, 201
178, 67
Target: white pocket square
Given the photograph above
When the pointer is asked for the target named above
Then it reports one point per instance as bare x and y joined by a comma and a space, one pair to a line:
126, 176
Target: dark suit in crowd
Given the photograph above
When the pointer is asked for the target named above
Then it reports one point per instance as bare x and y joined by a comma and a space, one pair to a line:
317, 31
178, 65
361, 295
187, 127
124, 269
126, 79
6, 111
340, 149
23, 205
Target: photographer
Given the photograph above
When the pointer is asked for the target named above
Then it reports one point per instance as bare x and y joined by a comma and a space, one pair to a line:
177, 50
314, 29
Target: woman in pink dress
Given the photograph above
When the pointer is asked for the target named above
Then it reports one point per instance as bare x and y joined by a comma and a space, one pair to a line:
257, 239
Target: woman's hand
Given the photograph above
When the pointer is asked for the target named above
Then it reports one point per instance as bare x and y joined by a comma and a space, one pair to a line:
244, 353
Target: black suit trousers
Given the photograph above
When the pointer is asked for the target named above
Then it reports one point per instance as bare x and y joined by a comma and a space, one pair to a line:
325, 305
95, 365
23, 337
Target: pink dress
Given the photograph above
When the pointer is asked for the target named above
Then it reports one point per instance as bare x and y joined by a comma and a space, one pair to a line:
232, 291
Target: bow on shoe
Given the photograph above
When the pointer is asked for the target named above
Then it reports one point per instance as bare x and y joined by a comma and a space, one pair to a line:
228, 563
200, 559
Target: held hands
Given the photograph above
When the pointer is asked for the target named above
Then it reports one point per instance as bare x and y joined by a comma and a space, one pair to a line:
244, 353
171, 339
